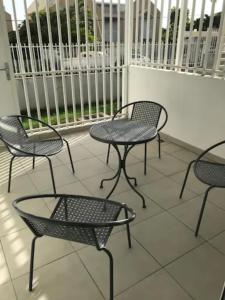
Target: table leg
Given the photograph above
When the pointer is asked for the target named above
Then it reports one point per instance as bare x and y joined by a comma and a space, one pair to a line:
128, 178
122, 166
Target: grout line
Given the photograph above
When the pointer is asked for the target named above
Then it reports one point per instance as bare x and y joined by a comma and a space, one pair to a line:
92, 278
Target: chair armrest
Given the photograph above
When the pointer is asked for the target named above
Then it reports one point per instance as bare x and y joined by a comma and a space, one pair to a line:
166, 119
209, 149
120, 110
41, 122
130, 212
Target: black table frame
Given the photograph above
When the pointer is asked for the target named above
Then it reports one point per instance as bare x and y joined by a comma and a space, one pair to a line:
122, 167
122, 163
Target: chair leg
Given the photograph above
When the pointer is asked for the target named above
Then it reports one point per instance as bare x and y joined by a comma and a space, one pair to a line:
32, 263
185, 178
159, 145
111, 281
33, 165
52, 176
128, 227
145, 160
202, 210
70, 156
10, 173
107, 158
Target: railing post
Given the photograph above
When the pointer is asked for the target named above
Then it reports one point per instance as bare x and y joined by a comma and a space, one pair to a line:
128, 41
181, 30
220, 46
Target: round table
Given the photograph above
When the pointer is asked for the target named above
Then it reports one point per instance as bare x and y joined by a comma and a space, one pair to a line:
127, 133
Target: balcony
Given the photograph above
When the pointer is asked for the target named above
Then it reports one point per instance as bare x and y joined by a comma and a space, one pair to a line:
166, 260
186, 75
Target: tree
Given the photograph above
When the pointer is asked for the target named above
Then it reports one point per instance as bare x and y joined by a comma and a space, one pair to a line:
206, 20
54, 28
172, 25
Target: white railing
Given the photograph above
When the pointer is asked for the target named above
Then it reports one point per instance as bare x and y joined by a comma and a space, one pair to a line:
186, 41
75, 83
164, 55
68, 61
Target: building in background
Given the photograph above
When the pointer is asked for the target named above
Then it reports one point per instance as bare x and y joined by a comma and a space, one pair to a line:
52, 7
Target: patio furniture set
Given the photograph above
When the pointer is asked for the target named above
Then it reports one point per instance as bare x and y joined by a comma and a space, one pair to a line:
90, 220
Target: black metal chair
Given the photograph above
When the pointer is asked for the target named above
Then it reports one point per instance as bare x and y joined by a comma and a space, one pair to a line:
147, 111
210, 173
19, 144
82, 219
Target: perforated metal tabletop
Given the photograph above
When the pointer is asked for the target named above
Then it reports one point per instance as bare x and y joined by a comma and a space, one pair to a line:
123, 132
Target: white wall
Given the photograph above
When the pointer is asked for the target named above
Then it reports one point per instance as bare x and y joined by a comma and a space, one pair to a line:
59, 88
8, 96
195, 104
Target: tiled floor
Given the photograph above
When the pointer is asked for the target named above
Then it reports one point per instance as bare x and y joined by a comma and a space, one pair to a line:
166, 261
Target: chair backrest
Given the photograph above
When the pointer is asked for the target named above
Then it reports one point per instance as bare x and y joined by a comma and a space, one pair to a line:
72, 220
61, 229
147, 111
11, 130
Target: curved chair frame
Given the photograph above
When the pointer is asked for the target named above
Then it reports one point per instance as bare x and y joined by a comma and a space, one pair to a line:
28, 218
24, 153
195, 164
162, 108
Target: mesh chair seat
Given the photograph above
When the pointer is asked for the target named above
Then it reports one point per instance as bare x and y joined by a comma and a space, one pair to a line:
84, 210
210, 173
46, 147
19, 144
82, 219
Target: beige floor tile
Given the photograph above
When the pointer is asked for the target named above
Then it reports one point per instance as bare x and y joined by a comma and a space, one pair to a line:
164, 237
134, 201
95, 147
171, 147
217, 197
4, 272
7, 291
90, 167
113, 160
200, 272
159, 286
168, 164
130, 265
63, 279
75, 188
20, 185
213, 221
17, 169
9, 218
62, 174
152, 151
92, 184
218, 242
137, 170
78, 152
192, 182
40, 164
185, 155
17, 251
165, 192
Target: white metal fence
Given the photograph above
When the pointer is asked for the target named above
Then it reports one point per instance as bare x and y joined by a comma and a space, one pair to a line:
74, 82
181, 36
53, 62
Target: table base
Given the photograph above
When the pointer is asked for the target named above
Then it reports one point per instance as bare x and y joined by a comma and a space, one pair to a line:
122, 167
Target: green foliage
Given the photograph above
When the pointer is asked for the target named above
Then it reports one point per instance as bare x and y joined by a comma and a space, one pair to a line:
172, 25
54, 27
206, 20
